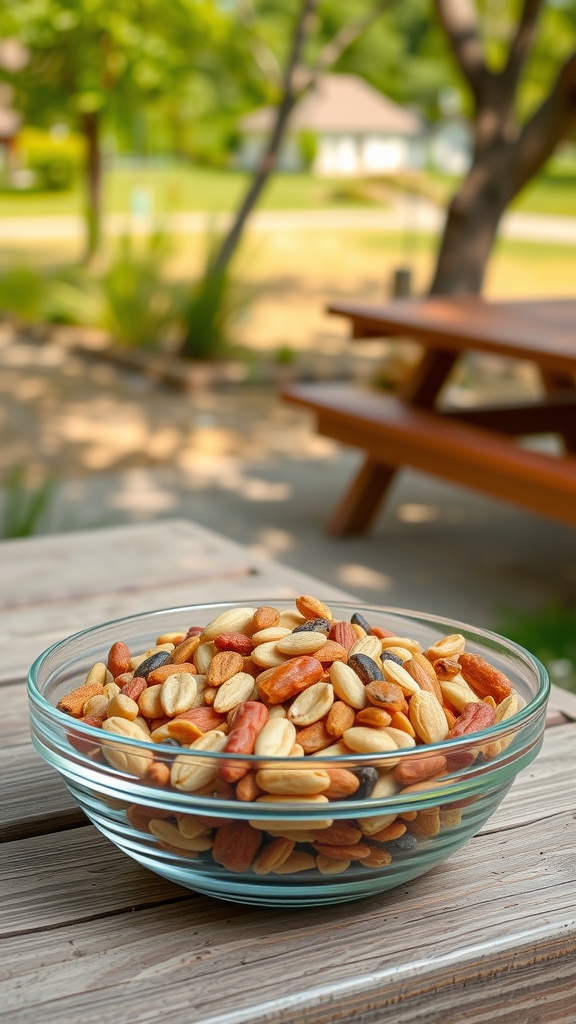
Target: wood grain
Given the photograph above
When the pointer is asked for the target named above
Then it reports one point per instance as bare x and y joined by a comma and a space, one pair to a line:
89, 936
541, 331
498, 907
393, 433
107, 574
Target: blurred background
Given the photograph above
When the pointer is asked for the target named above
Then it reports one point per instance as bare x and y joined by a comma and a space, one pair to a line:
183, 190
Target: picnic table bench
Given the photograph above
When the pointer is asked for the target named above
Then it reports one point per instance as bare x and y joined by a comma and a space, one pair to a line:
475, 447
89, 936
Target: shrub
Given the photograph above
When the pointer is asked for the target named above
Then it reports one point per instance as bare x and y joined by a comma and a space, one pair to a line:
23, 510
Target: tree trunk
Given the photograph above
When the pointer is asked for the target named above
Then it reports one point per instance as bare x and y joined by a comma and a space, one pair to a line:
93, 180
470, 230
265, 168
304, 23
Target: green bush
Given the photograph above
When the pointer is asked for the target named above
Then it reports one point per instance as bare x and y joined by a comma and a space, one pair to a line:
550, 634
307, 148
139, 308
57, 174
23, 293
55, 159
23, 509
210, 312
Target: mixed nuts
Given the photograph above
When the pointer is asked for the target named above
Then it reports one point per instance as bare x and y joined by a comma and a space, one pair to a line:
298, 684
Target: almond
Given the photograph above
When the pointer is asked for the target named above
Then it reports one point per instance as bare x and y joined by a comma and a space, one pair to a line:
223, 666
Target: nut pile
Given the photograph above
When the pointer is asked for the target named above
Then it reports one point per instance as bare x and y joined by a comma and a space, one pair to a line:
285, 684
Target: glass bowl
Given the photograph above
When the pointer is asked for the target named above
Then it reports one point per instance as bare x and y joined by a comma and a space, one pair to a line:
269, 850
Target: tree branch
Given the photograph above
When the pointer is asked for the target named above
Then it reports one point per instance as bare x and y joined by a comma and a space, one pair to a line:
552, 122
282, 113
344, 38
521, 43
460, 23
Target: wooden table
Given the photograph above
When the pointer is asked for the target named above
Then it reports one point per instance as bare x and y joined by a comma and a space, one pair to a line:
474, 447
89, 936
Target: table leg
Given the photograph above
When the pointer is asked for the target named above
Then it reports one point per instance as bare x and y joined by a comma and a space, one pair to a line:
361, 502
359, 506
553, 383
428, 377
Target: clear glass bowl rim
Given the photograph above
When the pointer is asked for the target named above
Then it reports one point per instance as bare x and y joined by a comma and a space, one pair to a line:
515, 722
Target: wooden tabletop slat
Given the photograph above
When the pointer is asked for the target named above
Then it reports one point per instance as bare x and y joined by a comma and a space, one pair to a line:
42, 569
133, 577
543, 332
48, 806
88, 935
201, 962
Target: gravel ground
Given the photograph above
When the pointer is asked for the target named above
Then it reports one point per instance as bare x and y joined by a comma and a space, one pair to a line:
124, 448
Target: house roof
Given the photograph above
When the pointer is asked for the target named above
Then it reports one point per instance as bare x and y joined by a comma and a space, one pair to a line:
342, 103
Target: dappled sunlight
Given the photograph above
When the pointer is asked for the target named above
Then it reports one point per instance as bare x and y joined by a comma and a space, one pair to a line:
265, 490
413, 512
140, 495
273, 542
352, 575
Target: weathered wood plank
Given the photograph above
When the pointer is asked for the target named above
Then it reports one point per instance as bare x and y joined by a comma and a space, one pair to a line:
83, 563
35, 799
25, 636
14, 721
563, 701
499, 913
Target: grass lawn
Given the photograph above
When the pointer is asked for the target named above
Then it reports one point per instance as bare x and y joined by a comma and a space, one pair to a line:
173, 189
181, 188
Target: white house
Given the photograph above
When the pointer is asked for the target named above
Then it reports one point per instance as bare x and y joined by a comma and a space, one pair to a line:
357, 131
450, 146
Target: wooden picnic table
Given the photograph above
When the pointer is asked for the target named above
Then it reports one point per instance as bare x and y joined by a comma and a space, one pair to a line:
88, 935
473, 446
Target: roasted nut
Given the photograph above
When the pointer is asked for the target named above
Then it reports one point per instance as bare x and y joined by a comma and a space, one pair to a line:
235, 620
484, 679
427, 716
73, 703
340, 717
276, 738
343, 784
279, 684
236, 845
312, 704
273, 856
223, 666
386, 695
189, 774
307, 642
312, 608
347, 685
249, 720
234, 691
364, 740
289, 782
314, 737
237, 642
375, 718
265, 617
119, 659
342, 633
